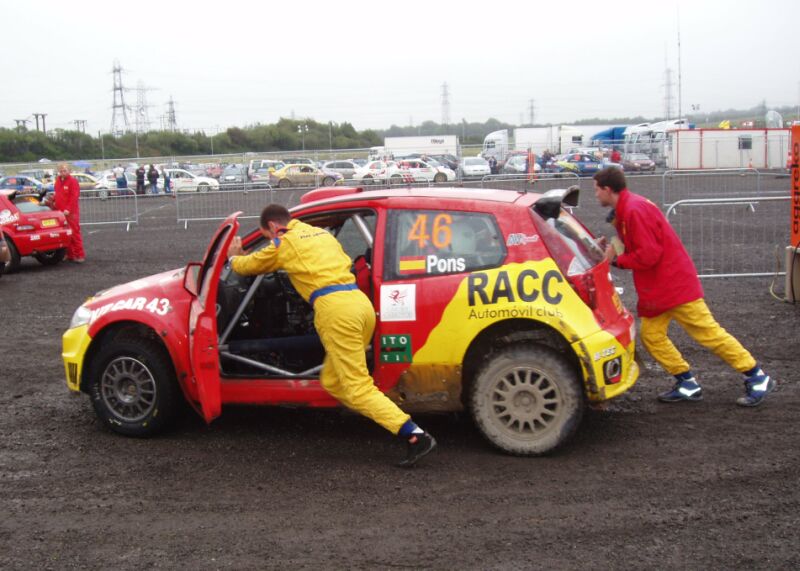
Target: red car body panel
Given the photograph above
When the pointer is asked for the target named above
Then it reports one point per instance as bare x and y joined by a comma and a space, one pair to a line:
32, 232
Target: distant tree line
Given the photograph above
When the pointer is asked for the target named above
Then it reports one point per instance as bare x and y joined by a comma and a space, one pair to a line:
25, 145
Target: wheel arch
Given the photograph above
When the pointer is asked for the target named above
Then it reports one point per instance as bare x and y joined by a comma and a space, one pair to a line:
121, 331
507, 333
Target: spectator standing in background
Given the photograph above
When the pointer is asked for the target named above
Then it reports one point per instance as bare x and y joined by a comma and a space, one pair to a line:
493, 164
167, 182
616, 157
152, 178
140, 180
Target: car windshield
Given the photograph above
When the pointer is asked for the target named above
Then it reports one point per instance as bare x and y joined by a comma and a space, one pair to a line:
475, 162
639, 157
28, 206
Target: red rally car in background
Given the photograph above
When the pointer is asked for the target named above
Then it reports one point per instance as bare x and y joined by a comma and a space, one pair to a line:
495, 302
32, 229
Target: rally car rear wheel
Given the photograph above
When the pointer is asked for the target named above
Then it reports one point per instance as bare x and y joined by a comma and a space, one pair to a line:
52, 257
13, 263
527, 400
440, 177
133, 387
328, 181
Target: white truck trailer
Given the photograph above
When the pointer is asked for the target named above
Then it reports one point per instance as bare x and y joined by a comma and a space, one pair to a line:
423, 145
727, 148
556, 138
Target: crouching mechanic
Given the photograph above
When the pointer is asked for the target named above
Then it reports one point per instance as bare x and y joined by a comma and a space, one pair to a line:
319, 270
668, 289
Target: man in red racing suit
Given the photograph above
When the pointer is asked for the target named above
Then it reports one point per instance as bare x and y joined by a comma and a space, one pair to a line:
68, 192
668, 288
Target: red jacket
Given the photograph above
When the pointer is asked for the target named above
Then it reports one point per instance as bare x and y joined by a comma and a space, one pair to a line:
663, 272
68, 192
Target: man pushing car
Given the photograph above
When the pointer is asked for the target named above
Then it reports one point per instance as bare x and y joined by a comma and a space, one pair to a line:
344, 318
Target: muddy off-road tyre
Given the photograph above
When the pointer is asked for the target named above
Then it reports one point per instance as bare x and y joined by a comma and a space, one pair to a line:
527, 400
133, 387
51, 258
13, 264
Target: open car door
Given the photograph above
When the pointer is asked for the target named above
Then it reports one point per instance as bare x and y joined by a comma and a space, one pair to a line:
203, 336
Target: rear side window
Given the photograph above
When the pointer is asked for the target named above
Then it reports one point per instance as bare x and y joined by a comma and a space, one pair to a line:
569, 243
438, 242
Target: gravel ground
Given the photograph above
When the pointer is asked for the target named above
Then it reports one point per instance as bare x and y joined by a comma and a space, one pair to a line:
642, 485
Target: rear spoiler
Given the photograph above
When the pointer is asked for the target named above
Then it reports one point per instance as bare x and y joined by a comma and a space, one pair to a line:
549, 204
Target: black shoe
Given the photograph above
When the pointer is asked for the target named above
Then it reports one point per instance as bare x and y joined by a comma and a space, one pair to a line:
419, 446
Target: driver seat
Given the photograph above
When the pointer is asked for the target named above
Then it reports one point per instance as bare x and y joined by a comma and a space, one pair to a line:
362, 268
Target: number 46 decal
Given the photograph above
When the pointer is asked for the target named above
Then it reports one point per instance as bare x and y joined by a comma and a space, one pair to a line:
440, 233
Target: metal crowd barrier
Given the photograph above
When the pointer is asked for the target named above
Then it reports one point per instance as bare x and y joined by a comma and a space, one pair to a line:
540, 182
113, 209
733, 236
709, 183
219, 204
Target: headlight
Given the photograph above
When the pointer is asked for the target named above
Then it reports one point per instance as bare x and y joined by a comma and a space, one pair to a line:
81, 316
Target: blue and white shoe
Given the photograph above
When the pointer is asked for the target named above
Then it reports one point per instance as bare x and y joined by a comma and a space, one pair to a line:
686, 389
757, 386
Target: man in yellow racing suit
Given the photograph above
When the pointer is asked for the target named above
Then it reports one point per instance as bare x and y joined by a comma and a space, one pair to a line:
319, 270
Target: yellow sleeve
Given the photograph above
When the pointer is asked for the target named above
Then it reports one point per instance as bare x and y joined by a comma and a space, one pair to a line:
263, 261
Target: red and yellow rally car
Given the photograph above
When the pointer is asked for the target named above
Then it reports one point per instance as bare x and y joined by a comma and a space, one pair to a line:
32, 229
490, 301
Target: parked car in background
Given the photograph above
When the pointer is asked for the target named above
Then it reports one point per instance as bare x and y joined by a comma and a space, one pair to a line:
261, 177
516, 164
42, 175
107, 181
298, 161
263, 165
233, 176
448, 161
183, 180
638, 162
417, 170
473, 167
213, 171
346, 168
580, 163
373, 172
304, 175
23, 184
32, 228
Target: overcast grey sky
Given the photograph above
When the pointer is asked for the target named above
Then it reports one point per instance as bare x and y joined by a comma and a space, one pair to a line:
378, 63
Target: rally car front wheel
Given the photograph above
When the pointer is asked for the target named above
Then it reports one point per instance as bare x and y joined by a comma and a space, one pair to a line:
133, 387
527, 400
52, 257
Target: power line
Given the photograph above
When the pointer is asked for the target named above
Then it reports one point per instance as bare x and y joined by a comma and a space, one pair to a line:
42, 115
445, 104
172, 123
118, 108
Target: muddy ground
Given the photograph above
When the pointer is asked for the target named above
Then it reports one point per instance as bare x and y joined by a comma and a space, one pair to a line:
643, 485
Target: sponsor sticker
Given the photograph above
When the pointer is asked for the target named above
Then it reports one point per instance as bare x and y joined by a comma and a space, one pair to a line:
7, 217
399, 302
396, 348
518, 239
156, 305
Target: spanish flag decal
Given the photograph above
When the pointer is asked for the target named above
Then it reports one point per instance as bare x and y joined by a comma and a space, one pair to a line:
412, 265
